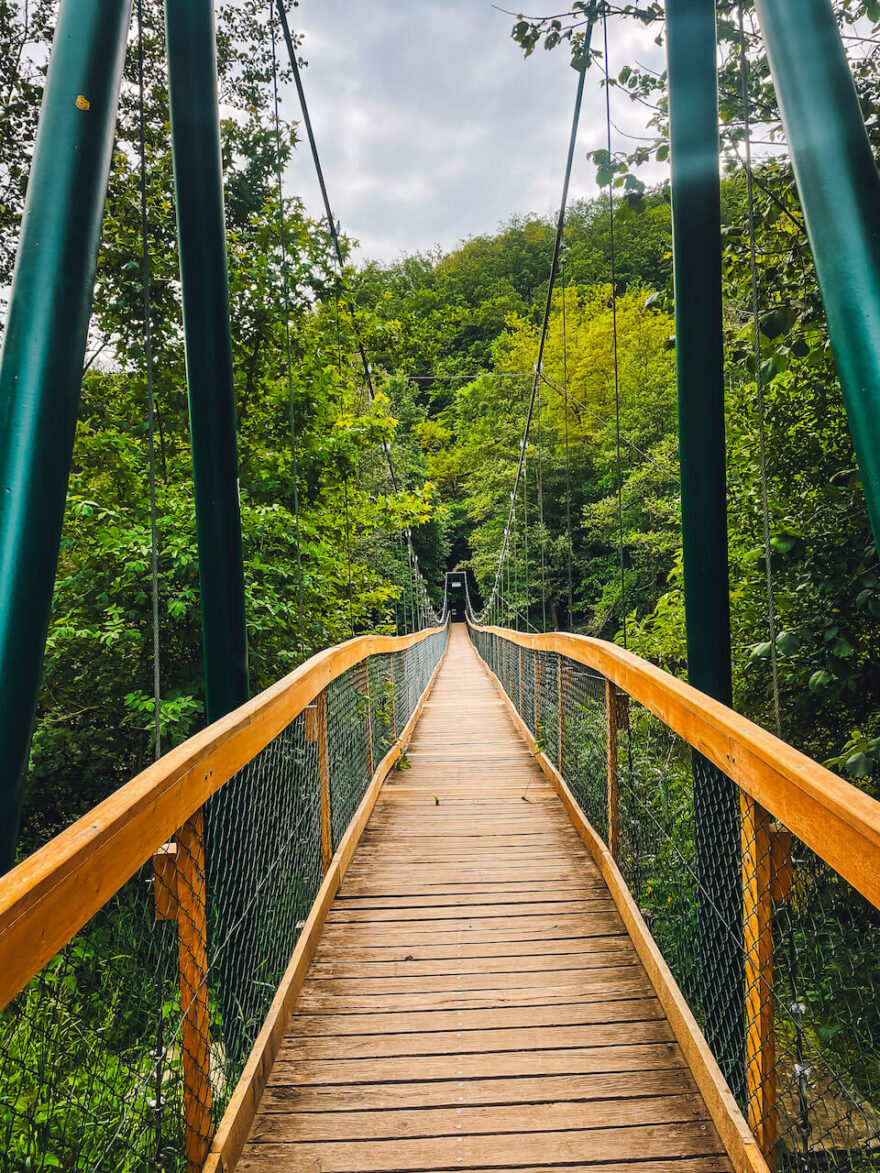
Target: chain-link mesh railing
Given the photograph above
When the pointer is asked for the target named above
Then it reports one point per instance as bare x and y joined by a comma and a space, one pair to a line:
777, 955
123, 1052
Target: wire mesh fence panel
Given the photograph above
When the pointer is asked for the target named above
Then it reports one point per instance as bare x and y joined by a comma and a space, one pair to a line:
777, 955
584, 761
123, 1052
347, 738
381, 706
264, 869
77, 1077
826, 978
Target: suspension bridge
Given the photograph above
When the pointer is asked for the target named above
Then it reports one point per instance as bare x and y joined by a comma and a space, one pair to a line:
472, 896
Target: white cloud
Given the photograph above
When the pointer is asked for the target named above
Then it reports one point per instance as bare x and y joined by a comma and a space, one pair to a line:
432, 127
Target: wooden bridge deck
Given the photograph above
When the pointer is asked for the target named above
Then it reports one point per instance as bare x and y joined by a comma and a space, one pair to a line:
475, 1001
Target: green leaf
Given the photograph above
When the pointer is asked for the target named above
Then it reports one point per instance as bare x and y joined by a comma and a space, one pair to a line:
858, 765
788, 643
777, 322
783, 543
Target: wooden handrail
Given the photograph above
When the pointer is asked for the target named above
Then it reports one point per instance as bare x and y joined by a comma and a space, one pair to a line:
48, 897
840, 823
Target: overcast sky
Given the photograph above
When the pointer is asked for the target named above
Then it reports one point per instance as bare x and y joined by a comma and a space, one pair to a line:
431, 125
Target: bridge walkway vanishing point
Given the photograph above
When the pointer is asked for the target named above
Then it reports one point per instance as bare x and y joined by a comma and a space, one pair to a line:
475, 1000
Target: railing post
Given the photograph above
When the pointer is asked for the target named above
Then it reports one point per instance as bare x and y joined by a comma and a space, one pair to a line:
393, 696
520, 672
767, 876
195, 1039
561, 676
316, 731
537, 656
179, 893
364, 689
616, 718
324, 775
760, 1007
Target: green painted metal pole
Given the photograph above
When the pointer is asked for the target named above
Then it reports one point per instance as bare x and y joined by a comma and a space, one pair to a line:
840, 195
43, 350
232, 845
201, 225
696, 227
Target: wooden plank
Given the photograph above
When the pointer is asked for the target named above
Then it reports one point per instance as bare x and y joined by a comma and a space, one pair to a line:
453, 1042
483, 992
623, 1010
716, 1164
469, 1120
506, 1151
426, 914
48, 897
568, 1060
709, 1164
413, 974
581, 946
511, 895
452, 1093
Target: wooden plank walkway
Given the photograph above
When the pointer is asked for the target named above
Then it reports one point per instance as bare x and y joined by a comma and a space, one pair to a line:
475, 1001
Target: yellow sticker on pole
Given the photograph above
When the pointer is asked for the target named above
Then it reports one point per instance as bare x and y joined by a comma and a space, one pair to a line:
82, 103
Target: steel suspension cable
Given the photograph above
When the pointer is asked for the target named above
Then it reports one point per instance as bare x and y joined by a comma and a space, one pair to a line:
614, 334
146, 285
609, 426
560, 226
335, 237
345, 473
568, 536
539, 488
759, 379
285, 285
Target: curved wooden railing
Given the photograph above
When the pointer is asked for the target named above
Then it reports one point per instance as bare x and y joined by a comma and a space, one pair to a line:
840, 823
48, 897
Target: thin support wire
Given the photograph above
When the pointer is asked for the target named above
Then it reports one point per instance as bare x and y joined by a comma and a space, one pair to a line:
158, 1053
614, 335
285, 284
759, 379
567, 453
